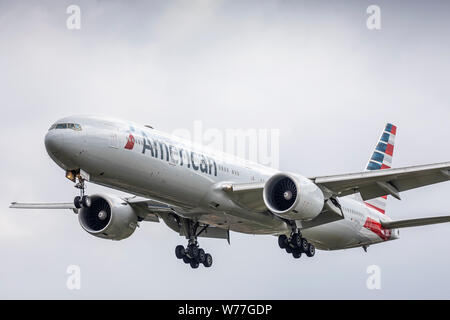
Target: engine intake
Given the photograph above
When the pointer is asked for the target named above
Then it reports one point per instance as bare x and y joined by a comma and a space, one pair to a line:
108, 217
293, 197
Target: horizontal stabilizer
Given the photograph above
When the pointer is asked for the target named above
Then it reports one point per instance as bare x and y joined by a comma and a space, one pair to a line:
414, 222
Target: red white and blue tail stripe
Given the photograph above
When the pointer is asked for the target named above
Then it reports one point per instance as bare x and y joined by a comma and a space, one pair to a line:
382, 159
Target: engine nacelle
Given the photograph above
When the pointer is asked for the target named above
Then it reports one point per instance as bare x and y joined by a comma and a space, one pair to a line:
108, 217
293, 197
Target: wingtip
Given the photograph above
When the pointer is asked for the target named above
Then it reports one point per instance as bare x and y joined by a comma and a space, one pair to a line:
446, 173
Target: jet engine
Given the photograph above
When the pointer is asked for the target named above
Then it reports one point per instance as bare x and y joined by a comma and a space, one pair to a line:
108, 217
293, 197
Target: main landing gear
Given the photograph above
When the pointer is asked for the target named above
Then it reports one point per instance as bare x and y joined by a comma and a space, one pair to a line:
193, 254
296, 245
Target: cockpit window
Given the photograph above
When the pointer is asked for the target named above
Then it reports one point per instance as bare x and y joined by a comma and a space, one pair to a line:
73, 126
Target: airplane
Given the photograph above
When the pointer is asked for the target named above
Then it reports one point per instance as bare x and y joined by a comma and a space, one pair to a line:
199, 193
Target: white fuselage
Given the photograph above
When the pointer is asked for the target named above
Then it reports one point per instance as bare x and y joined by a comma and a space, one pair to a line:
148, 163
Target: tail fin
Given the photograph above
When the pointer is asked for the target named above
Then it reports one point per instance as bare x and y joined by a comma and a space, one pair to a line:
382, 159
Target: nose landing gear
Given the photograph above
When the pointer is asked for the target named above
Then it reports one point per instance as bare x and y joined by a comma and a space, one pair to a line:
81, 201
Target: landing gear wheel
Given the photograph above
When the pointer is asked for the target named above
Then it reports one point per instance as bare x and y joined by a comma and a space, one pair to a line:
305, 245
86, 201
288, 249
186, 259
180, 252
77, 202
311, 250
282, 241
193, 251
296, 240
201, 255
208, 260
297, 254
194, 264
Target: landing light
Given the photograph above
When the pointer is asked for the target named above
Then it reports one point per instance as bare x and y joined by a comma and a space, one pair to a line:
70, 175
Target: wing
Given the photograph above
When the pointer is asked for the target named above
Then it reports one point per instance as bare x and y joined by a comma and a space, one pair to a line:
414, 222
148, 209
250, 196
247, 195
371, 184
170, 215
17, 205
374, 184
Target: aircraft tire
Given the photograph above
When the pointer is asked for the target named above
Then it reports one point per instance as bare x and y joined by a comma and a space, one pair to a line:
86, 201
304, 245
186, 259
311, 250
201, 256
282, 241
297, 254
296, 240
193, 251
77, 202
180, 252
208, 260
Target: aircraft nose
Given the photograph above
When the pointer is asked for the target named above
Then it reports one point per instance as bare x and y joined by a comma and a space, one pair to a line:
54, 141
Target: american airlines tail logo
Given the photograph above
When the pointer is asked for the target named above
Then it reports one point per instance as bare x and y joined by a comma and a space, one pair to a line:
130, 142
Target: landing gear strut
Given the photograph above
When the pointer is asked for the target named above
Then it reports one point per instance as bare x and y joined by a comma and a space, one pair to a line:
296, 245
81, 201
193, 254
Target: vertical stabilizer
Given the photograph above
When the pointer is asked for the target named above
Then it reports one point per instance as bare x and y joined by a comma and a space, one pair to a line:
382, 159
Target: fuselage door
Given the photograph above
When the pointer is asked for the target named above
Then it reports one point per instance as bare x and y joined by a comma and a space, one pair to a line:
114, 140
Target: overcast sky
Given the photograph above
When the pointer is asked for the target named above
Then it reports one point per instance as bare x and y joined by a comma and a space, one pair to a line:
310, 69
